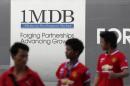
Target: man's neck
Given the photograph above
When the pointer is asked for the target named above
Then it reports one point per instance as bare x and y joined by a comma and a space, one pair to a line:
18, 70
73, 61
111, 51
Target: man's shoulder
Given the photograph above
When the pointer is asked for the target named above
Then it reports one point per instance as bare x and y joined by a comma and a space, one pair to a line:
63, 64
102, 55
82, 67
5, 73
32, 72
120, 53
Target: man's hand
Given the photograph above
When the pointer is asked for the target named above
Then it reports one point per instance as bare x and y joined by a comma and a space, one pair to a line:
113, 75
66, 82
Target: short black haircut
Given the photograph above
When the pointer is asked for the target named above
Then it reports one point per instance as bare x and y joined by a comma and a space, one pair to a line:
110, 37
75, 44
16, 46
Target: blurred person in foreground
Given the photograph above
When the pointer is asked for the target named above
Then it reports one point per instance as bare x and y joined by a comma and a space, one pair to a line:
20, 74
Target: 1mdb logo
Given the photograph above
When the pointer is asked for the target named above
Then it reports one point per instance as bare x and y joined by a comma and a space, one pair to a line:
47, 19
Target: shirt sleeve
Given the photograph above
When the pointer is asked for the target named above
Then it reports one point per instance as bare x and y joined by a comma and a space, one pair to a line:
39, 81
58, 75
2, 81
86, 76
98, 67
58, 71
123, 62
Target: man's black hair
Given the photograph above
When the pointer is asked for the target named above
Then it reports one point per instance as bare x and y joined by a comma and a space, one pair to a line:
110, 37
75, 44
16, 46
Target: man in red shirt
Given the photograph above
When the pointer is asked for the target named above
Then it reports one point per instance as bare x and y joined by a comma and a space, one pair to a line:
73, 73
112, 66
20, 74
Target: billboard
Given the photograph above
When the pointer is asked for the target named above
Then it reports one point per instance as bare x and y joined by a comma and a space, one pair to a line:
45, 25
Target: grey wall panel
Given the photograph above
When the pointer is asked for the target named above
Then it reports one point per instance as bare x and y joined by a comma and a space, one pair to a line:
4, 32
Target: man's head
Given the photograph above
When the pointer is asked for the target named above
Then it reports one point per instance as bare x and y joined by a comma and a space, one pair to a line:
19, 53
74, 48
108, 40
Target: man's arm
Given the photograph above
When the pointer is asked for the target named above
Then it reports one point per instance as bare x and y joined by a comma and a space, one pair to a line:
123, 74
86, 78
87, 83
96, 80
123, 63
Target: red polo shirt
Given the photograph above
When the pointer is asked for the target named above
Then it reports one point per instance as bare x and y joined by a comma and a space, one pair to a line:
78, 74
115, 62
30, 79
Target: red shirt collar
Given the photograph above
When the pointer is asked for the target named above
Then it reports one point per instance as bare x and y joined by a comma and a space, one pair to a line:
113, 53
73, 66
29, 71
